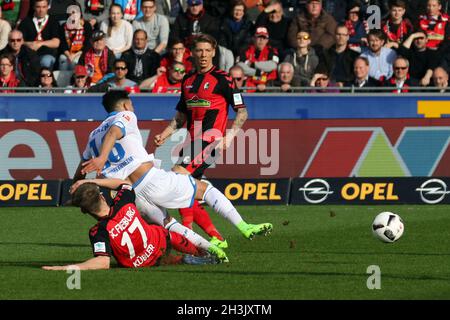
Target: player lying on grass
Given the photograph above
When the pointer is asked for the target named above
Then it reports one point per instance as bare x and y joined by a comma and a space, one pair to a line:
122, 233
115, 150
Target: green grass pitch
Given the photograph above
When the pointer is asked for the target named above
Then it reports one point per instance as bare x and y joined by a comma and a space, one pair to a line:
314, 252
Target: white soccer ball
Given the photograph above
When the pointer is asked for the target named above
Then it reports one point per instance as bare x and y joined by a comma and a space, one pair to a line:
388, 227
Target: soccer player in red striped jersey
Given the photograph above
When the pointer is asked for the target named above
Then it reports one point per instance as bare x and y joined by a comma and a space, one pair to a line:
121, 232
206, 95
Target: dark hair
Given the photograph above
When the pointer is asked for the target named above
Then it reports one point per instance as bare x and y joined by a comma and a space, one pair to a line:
204, 38
87, 198
109, 18
397, 3
10, 58
112, 98
140, 30
120, 60
174, 41
377, 33
362, 58
54, 83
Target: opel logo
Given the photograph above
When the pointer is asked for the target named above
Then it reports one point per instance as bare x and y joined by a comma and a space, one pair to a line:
316, 191
433, 191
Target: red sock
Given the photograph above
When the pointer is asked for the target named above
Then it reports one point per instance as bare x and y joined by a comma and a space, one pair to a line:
182, 244
201, 217
187, 216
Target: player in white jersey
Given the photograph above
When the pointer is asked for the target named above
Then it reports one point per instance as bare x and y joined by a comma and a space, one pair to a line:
115, 150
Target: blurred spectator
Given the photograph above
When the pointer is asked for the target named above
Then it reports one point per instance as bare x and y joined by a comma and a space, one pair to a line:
217, 8
166, 82
361, 76
401, 79
194, 22
440, 79
285, 77
357, 27
47, 81
99, 59
397, 28
259, 61
422, 58
75, 39
255, 7
119, 32
236, 29
141, 60
321, 80
304, 59
131, 9
8, 78
79, 81
95, 11
5, 29
417, 8
41, 33
26, 61
435, 24
58, 9
171, 8
118, 81
177, 52
339, 58
155, 25
380, 58
225, 58
239, 77
318, 23
10, 12
337, 8
277, 24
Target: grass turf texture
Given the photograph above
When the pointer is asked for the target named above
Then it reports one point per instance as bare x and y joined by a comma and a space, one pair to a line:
314, 252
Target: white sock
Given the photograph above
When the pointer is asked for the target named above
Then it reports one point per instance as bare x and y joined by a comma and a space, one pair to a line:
217, 200
193, 237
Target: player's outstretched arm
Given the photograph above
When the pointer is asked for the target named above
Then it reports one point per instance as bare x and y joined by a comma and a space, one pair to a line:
97, 263
177, 122
96, 164
107, 183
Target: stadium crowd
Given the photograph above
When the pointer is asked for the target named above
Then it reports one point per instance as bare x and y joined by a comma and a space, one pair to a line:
265, 45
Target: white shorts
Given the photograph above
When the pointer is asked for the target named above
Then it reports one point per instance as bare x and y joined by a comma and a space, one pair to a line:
166, 189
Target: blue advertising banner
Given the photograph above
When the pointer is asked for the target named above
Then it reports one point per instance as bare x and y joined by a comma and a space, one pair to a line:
66, 107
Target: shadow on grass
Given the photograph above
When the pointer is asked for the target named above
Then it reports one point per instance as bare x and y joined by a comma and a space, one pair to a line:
46, 244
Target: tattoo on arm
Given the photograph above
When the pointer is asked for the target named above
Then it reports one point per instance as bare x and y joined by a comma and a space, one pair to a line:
241, 117
178, 121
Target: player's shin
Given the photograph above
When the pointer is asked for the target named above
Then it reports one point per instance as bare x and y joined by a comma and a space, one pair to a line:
219, 203
196, 239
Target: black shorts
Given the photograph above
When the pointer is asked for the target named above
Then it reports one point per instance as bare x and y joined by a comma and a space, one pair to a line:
197, 156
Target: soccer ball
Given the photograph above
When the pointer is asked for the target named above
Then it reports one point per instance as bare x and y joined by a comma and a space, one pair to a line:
388, 227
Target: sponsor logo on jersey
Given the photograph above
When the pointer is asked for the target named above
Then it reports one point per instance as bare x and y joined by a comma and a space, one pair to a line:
195, 102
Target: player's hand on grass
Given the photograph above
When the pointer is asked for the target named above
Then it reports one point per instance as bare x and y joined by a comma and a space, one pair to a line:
94, 164
54, 268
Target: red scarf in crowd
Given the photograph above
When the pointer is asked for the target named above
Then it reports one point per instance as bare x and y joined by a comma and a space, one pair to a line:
89, 60
402, 31
9, 82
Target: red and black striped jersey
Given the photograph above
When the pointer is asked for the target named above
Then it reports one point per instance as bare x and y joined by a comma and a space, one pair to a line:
205, 98
126, 236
